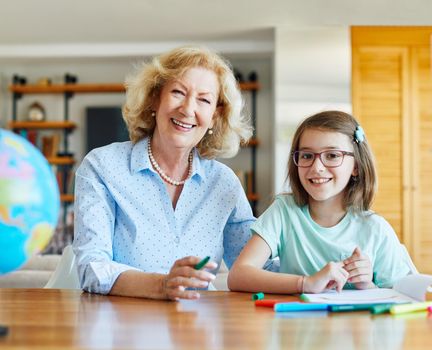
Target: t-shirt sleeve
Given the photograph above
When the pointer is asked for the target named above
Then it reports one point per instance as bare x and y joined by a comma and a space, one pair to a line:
392, 261
269, 226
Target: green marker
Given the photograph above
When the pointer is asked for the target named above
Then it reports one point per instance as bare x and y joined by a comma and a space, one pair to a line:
374, 308
202, 263
381, 308
258, 296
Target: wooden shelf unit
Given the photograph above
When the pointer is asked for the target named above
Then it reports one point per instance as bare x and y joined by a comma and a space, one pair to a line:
253, 197
66, 198
253, 142
61, 160
64, 88
67, 90
251, 192
250, 86
61, 125
93, 88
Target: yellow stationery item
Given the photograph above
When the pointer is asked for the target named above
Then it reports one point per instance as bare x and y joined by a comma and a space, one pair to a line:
400, 309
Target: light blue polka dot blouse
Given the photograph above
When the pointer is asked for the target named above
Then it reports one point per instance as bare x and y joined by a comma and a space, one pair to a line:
124, 218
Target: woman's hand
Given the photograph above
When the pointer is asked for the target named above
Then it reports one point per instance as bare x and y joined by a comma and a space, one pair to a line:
359, 267
183, 275
333, 275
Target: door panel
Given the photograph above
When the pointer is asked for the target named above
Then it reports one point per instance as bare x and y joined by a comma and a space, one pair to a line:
422, 186
378, 83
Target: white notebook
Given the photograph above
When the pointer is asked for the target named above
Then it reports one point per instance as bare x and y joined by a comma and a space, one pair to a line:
412, 288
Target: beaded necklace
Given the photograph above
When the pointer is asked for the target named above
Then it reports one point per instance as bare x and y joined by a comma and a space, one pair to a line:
162, 173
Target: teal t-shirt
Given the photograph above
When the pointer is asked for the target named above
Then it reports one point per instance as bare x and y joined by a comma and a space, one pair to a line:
304, 247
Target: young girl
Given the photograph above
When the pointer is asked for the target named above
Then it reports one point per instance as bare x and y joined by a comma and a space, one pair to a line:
324, 233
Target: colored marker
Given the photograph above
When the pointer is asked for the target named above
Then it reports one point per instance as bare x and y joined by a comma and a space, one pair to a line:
430, 308
202, 263
401, 309
296, 306
380, 309
357, 307
266, 302
258, 296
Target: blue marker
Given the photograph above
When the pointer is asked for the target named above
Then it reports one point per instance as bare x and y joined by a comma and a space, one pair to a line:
296, 306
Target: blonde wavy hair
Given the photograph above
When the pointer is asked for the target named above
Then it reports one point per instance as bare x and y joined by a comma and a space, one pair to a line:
231, 127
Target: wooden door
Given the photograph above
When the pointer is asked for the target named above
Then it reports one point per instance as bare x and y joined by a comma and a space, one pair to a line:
422, 155
378, 103
392, 97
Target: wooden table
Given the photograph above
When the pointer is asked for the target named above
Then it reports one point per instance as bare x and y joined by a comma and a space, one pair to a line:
61, 319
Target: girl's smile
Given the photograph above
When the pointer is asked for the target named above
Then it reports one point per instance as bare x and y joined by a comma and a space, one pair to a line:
319, 181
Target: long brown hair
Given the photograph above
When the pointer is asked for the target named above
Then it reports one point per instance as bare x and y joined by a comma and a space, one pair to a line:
360, 190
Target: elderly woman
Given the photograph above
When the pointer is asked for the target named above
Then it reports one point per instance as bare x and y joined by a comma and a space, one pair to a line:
148, 210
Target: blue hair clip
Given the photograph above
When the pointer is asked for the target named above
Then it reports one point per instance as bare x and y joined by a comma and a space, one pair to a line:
359, 135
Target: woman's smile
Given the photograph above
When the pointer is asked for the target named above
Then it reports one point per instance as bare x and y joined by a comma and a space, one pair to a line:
182, 125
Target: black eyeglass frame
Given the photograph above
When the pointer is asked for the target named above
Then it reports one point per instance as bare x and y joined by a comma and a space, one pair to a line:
319, 154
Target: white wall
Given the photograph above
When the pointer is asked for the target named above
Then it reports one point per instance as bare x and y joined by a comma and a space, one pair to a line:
312, 68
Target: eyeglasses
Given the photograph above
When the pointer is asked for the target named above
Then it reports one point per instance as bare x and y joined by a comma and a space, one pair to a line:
330, 159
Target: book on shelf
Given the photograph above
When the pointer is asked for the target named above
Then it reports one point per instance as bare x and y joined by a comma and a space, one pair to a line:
50, 145
30, 135
411, 288
59, 174
23, 133
70, 188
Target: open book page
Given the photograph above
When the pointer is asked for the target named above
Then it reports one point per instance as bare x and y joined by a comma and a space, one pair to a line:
367, 296
412, 288
415, 286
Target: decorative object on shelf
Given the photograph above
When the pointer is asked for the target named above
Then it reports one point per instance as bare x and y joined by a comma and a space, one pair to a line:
238, 75
253, 76
19, 80
70, 78
36, 112
45, 81
50, 145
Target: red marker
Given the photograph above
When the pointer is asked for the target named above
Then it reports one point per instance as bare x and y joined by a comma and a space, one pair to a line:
266, 302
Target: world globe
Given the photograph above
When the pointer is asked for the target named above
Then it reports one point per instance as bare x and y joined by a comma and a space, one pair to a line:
29, 201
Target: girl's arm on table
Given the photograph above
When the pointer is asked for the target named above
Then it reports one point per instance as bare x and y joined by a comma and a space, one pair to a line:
247, 274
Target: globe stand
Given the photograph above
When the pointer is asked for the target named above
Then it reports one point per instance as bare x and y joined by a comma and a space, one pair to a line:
3, 330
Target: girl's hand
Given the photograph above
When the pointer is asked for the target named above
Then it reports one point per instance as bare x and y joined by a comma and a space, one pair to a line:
183, 275
333, 275
359, 267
